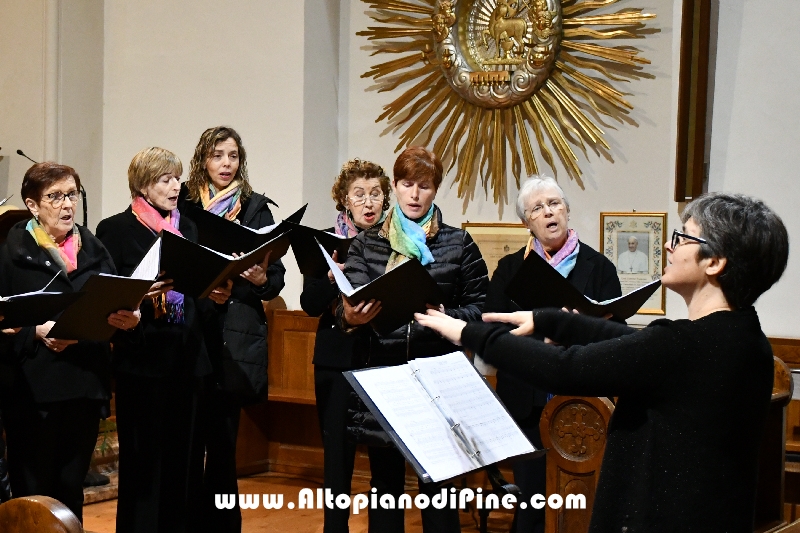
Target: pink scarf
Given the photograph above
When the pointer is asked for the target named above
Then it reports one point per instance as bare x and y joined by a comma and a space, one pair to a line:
150, 217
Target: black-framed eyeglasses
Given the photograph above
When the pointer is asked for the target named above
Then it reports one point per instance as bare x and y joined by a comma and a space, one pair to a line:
679, 238
57, 198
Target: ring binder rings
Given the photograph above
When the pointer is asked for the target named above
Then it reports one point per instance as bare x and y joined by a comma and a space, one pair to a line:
441, 414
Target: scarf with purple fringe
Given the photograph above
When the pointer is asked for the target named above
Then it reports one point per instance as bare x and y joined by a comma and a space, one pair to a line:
564, 259
170, 305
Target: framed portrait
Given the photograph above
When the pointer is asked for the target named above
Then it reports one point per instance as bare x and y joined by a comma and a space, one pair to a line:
634, 242
496, 240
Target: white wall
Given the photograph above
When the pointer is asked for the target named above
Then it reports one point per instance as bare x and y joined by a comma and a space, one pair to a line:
755, 130
23, 47
174, 68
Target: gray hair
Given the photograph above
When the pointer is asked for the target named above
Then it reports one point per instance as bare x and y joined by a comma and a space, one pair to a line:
750, 235
634, 239
536, 183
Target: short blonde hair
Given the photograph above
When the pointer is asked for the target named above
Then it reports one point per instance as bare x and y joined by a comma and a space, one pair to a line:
149, 165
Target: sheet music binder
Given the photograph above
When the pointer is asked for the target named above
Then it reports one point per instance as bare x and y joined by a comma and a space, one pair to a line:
403, 291
87, 319
34, 308
224, 236
197, 270
306, 252
475, 437
538, 285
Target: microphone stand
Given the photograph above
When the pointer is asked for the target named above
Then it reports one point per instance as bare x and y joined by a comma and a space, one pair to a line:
83, 191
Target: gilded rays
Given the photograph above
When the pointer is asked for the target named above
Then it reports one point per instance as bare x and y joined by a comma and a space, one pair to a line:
568, 112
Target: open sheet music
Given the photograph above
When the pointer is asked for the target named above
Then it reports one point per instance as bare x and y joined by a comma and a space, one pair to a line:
403, 291
441, 414
34, 308
197, 270
538, 285
227, 237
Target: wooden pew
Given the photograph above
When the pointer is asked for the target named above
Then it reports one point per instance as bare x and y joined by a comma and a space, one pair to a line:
37, 514
574, 430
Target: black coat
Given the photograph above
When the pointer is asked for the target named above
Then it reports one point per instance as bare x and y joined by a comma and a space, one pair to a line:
458, 269
333, 347
667, 465
36, 373
168, 349
594, 275
236, 332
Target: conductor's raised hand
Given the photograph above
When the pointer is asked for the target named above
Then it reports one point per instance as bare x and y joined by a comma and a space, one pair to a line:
55, 345
257, 274
522, 319
360, 314
221, 294
335, 258
448, 327
160, 287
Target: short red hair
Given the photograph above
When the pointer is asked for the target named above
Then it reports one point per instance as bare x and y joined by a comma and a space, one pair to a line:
415, 163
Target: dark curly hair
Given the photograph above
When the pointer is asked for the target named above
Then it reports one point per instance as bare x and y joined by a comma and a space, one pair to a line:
749, 235
198, 175
351, 171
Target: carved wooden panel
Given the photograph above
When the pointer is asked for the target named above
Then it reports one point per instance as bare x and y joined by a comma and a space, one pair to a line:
574, 429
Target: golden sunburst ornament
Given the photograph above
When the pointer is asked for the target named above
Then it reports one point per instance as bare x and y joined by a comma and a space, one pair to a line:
482, 74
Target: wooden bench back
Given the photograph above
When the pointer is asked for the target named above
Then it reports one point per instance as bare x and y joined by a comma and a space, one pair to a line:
37, 514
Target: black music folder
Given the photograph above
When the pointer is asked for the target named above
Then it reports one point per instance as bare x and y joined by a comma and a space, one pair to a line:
34, 308
537, 285
306, 249
441, 414
224, 236
403, 291
87, 319
197, 270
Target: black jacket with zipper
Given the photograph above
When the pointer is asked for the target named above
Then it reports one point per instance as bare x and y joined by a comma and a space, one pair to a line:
236, 332
32, 371
458, 269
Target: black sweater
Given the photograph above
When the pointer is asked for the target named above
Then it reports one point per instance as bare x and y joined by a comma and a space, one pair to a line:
675, 460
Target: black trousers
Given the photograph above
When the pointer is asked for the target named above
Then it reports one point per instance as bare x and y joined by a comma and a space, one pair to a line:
216, 430
333, 392
530, 476
388, 467
155, 417
50, 446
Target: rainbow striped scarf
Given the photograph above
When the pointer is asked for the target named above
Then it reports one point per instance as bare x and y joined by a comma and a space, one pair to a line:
225, 203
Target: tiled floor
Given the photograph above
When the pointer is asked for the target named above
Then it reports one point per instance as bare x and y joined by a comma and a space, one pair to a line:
99, 517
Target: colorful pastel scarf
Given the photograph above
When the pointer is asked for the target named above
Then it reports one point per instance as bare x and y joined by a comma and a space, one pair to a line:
564, 259
225, 203
408, 239
345, 226
65, 254
172, 306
